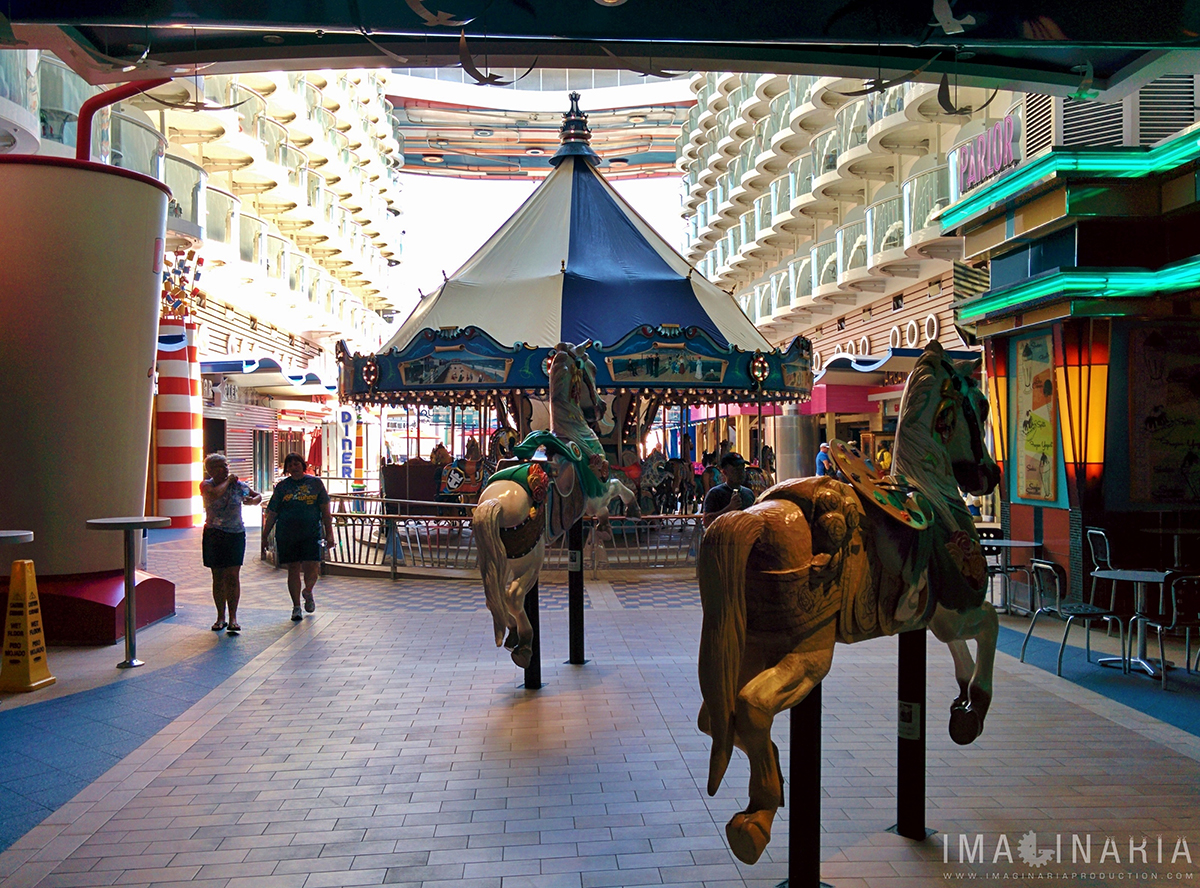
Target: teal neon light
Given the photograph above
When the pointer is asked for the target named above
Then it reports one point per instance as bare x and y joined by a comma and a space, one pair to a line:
1117, 163
1084, 284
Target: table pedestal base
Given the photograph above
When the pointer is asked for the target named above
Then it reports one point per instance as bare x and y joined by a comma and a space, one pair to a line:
131, 664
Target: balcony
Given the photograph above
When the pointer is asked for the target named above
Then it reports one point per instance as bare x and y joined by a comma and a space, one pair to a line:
921, 102
824, 268
925, 196
133, 145
785, 141
828, 184
855, 159
807, 115
892, 130
238, 146
885, 238
19, 123
852, 255
62, 93
221, 213
185, 211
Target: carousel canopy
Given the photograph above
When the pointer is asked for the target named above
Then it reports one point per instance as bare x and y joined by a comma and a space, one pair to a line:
576, 262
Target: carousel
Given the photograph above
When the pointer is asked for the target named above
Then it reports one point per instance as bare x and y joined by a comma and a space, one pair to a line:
574, 264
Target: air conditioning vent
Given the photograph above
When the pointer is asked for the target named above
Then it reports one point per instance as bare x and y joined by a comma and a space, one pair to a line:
1092, 123
1165, 106
1039, 123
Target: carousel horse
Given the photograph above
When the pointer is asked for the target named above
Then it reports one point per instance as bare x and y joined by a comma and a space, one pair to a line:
461, 479
817, 561
500, 447
526, 505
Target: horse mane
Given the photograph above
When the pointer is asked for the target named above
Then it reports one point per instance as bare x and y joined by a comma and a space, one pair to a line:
918, 453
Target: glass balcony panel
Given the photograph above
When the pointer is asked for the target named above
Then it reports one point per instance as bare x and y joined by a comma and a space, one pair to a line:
885, 225
252, 236
251, 107
824, 263
217, 88
296, 162
62, 94
220, 216
781, 195
800, 175
782, 282
925, 195
762, 212
800, 89
187, 182
800, 272
852, 247
852, 125
884, 104
136, 146
277, 256
766, 301
781, 109
293, 262
825, 153
273, 135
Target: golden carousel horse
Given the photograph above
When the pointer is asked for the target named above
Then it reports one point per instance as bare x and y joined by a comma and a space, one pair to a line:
523, 506
816, 561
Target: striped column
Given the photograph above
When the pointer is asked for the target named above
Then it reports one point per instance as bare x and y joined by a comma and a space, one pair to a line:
180, 424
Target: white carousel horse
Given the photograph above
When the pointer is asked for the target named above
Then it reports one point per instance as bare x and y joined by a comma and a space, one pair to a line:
816, 561
524, 506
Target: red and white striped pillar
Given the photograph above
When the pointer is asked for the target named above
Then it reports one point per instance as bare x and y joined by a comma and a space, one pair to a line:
180, 447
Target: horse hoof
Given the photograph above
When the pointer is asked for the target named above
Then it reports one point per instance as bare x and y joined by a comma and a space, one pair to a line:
522, 655
511, 642
748, 835
965, 724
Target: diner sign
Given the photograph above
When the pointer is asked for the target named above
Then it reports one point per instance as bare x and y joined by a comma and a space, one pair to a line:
985, 157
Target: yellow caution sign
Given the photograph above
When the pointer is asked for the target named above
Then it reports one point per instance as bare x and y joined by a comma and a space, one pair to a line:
24, 666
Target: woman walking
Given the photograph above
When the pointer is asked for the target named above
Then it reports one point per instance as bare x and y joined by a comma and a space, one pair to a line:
298, 512
224, 542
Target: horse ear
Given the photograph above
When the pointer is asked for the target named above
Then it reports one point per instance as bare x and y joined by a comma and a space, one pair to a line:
934, 347
584, 346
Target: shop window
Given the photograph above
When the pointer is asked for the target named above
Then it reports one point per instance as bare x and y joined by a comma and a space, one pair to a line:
841, 323
897, 302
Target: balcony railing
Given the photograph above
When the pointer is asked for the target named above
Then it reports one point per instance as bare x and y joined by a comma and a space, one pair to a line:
763, 207
885, 225
133, 145
16, 66
221, 216
800, 89
781, 283
277, 257
62, 94
187, 182
800, 271
824, 263
852, 125
925, 195
852, 247
825, 153
800, 175
252, 240
885, 104
781, 195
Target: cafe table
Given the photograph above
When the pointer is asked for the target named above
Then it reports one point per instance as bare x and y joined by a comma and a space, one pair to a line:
130, 526
1006, 547
1140, 579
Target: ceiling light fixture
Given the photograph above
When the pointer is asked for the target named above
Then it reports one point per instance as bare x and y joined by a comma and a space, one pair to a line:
610, 2
433, 158
637, 118
273, 39
534, 152
619, 162
483, 133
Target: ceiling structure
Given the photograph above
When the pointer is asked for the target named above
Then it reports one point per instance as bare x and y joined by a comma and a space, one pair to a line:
452, 129
1053, 46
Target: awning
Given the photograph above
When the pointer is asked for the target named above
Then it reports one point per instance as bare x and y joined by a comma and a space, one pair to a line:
872, 369
268, 376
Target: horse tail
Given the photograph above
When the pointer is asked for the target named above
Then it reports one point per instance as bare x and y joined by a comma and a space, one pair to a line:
493, 562
721, 571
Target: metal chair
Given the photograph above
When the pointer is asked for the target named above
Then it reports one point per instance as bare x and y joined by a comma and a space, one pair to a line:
1181, 610
1049, 583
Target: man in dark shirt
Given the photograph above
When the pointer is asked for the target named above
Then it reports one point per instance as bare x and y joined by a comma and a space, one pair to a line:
732, 494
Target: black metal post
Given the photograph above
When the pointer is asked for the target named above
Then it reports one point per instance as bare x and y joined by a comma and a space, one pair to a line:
804, 818
533, 672
575, 593
131, 661
910, 737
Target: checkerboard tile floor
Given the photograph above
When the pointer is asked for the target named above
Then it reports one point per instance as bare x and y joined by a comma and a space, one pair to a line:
384, 740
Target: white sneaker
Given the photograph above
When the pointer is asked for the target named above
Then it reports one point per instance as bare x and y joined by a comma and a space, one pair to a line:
296, 615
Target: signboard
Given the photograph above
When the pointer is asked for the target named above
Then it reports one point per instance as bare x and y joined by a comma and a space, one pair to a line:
985, 157
1036, 423
1164, 429
345, 443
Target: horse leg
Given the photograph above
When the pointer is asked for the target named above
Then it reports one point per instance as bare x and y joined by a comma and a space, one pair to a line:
970, 707
520, 637
762, 698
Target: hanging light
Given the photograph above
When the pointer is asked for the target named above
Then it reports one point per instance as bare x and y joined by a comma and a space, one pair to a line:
1081, 371
995, 356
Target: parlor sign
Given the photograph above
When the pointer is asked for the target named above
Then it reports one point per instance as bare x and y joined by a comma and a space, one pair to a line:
981, 159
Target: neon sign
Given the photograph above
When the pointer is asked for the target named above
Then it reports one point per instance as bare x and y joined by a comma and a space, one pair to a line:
979, 160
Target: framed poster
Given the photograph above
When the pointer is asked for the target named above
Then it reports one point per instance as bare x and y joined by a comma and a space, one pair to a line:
1036, 451
1164, 423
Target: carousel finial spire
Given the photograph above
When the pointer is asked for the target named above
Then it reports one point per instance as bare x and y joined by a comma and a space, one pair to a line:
575, 136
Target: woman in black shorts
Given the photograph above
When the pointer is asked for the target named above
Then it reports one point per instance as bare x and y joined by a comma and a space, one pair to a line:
298, 512
225, 535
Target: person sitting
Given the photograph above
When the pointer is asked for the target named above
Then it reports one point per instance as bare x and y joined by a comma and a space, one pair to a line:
731, 495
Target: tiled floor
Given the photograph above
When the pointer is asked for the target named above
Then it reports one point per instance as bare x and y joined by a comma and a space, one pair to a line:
385, 740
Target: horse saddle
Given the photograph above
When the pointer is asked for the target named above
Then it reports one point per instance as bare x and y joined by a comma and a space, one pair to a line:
891, 493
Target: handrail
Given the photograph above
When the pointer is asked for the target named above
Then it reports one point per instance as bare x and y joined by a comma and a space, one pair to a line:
83, 138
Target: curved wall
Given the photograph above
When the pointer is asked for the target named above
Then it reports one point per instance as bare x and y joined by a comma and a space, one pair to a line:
80, 265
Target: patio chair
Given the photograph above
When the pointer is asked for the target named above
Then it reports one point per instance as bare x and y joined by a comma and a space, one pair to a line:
1181, 610
1051, 596
1097, 540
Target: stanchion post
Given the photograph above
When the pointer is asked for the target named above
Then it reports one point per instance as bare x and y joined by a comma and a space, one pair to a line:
131, 659
804, 799
533, 672
575, 593
910, 738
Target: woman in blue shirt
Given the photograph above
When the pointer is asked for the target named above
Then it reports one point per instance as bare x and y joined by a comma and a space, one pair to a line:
224, 541
298, 510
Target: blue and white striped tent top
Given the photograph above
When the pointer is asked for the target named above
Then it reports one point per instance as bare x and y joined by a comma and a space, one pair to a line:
576, 262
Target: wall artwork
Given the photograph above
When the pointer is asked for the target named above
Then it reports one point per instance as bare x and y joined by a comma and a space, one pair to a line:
1164, 423
1036, 427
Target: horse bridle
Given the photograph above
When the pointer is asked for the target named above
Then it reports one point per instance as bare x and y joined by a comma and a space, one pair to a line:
957, 401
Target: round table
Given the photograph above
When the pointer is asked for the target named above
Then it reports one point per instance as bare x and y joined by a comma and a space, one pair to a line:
128, 526
16, 536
